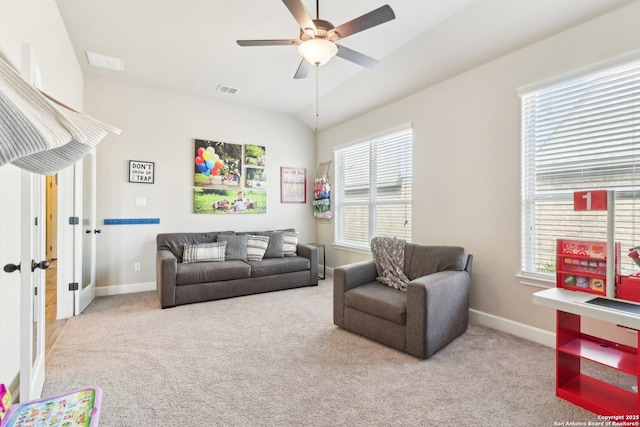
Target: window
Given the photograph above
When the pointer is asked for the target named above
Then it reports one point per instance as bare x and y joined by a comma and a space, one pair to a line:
581, 133
373, 189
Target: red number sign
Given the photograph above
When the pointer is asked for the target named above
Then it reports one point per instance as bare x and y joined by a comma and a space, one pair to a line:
590, 200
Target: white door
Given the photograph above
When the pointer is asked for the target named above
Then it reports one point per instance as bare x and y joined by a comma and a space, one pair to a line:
33, 263
32, 294
88, 231
10, 253
76, 236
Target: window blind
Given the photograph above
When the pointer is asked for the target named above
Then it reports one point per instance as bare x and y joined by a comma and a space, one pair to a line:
373, 189
580, 134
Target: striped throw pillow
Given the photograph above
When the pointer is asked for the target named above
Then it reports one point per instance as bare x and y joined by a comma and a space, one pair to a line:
202, 252
290, 245
256, 247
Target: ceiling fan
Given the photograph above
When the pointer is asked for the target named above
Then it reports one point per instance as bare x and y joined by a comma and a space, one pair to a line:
317, 37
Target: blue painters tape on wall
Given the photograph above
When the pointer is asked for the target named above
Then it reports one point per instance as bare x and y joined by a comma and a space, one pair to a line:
127, 221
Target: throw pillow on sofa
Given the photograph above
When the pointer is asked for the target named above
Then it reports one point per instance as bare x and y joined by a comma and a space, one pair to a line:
236, 246
203, 252
276, 241
290, 244
256, 247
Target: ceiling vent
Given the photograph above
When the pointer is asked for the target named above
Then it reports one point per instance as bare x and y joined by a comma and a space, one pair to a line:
104, 61
228, 89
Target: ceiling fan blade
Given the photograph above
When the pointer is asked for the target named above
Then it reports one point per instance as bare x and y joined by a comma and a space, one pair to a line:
268, 42
303, 69
300, 14
376, 17
356, 57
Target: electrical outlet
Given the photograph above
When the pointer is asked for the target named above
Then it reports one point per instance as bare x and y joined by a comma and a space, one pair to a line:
137, 266
141, 201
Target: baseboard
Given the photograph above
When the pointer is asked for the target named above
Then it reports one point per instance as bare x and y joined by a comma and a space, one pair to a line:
129, 288
521, 330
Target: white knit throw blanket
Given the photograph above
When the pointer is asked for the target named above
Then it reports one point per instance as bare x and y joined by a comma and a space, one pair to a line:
388, 255
38, 135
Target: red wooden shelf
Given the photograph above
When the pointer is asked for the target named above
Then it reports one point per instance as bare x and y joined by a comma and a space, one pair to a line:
614, 357
598, 396
571, 384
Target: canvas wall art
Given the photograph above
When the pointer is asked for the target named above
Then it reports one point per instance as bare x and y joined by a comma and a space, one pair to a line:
217, 164
217, 201
255, 161
229, 178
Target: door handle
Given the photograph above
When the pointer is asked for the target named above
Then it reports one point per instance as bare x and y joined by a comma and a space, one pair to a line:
42, 264
10, 268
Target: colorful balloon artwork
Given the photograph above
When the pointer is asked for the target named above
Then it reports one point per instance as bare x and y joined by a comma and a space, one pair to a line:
208, 162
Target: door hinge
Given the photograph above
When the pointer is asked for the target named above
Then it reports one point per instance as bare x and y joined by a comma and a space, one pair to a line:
73, 286
74, 220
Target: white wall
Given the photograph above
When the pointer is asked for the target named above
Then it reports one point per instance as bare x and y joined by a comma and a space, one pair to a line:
160, 126
38, 23
467, 157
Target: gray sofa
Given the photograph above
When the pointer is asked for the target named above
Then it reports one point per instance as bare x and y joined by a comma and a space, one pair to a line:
430, 314
184, 283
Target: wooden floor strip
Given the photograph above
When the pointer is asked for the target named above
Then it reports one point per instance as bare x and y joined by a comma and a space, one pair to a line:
53, 326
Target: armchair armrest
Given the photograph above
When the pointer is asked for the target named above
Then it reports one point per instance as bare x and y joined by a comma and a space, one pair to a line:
437, 311
348, 277
166, 270
311, 253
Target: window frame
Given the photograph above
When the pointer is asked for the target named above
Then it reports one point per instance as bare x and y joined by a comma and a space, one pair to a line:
528, 258
373, 202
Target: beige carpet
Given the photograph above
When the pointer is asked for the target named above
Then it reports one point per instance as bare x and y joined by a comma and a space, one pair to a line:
276, 359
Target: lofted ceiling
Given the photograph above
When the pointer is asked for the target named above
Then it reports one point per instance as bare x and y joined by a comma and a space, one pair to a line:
190, 46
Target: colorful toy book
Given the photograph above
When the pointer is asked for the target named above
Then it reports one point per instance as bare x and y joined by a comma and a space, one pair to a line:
77, 408
5, 401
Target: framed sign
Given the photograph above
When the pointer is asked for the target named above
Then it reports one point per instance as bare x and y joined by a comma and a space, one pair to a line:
141, 172
595, 200
293, 185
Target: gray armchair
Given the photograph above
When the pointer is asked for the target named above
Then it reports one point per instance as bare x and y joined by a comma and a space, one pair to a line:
429, 315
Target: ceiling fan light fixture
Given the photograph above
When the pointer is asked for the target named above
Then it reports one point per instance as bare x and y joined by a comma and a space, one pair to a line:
317, 51
311, 32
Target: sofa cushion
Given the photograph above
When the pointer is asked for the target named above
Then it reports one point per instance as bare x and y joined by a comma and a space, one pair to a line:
256, 247
378, 300
271, 266
276, 242
290, 243
236, 246
203, 272
422, 260
175, 241
202, 252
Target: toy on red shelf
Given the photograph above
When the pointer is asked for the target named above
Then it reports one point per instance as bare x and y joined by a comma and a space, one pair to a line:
629, 286
634, 254
582, 265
